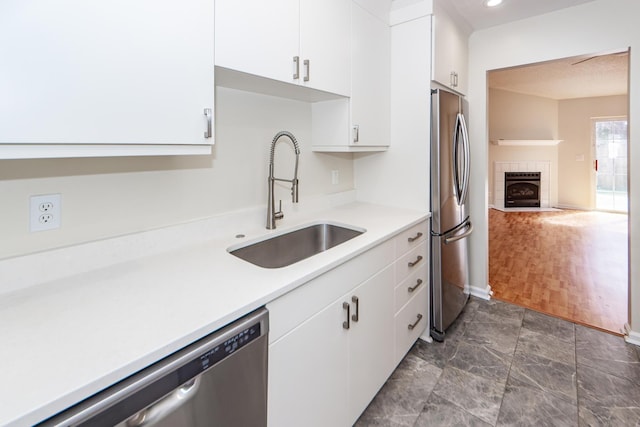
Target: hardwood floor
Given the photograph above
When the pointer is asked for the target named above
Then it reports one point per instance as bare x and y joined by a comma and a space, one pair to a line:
569, 264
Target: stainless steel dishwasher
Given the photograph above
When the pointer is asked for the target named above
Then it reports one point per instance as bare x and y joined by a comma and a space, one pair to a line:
220, 380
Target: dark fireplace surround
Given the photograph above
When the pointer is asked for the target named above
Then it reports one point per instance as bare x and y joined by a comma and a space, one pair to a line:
521, 189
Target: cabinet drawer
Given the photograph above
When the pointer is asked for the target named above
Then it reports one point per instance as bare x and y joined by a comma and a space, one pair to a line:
411, 286
411, 238
416, 314
412, 261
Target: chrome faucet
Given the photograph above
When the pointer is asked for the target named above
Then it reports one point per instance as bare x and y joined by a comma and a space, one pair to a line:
272, 215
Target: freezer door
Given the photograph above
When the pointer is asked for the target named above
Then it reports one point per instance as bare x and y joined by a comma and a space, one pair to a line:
449, 278
449, 161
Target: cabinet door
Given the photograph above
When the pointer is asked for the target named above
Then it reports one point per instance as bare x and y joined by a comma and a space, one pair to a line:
114, 72
308, 372
370, 79
258, 37
371, 355
324, 42
449, 49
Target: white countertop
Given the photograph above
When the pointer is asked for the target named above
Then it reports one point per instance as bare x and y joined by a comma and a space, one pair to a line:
86, 329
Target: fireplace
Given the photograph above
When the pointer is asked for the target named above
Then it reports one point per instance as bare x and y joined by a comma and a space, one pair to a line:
521, 189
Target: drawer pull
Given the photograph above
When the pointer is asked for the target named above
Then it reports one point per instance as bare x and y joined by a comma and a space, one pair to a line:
347, 324
296, 62
414, 238
208, 133
356, 317
307, 68
414, 324
413, 288
412, 264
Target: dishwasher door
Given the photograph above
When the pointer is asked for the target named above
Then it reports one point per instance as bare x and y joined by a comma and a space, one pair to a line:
220, 380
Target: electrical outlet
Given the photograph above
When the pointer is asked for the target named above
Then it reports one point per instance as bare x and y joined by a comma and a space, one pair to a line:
335, 177
45, 218
45, 206
44, 212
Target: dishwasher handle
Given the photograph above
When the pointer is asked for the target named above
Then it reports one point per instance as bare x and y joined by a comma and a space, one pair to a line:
152, 414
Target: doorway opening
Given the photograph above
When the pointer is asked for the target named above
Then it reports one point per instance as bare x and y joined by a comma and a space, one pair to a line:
563, 113
610, 147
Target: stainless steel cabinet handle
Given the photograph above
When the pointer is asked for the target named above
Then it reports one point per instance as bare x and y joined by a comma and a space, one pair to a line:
412, 264
296, 73
347, 324
355, 317
307, 70
356, 133
413, 288
414, 324
209, 115
414, 238
156, 412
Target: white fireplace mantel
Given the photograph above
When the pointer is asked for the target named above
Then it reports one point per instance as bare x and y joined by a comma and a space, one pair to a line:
526, 142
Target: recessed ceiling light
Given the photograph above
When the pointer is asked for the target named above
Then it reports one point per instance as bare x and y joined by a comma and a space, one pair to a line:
492, 3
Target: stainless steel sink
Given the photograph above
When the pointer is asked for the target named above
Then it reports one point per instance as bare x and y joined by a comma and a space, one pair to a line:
286, 249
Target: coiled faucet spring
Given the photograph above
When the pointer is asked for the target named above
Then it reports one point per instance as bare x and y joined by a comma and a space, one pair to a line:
272, 215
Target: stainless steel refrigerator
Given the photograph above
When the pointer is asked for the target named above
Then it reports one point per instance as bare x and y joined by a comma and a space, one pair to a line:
450, 222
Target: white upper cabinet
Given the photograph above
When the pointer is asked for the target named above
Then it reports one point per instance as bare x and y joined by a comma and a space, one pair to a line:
304, 42
368, 110
370, 79
258, 37
85, 78
450, 45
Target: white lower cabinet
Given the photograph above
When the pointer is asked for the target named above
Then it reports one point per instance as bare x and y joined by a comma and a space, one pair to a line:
334, 341
370, 355
308, 371
412, 288
325, 371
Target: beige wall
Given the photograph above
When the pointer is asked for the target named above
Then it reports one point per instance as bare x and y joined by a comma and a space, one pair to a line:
517, 116
576, 181
106, 197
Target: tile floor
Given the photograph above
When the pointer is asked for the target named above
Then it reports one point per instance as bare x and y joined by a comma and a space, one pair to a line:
503, 365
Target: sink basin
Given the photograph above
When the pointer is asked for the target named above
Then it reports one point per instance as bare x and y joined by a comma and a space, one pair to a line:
286, 249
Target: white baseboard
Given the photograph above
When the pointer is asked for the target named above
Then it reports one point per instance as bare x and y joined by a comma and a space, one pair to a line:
572, 208
426, 337
484, 293
632, 337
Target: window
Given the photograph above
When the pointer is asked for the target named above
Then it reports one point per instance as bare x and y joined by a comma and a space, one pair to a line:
610, 137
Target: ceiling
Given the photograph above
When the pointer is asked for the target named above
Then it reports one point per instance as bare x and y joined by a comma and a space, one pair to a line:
479, 16
578, 77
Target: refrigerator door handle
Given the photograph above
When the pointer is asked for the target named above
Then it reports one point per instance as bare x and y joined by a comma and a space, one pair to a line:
461, 159
465, 143
466, 226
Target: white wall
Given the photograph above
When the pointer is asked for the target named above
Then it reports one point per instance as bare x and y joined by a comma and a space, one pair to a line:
105, 197
569, 32
400, 176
